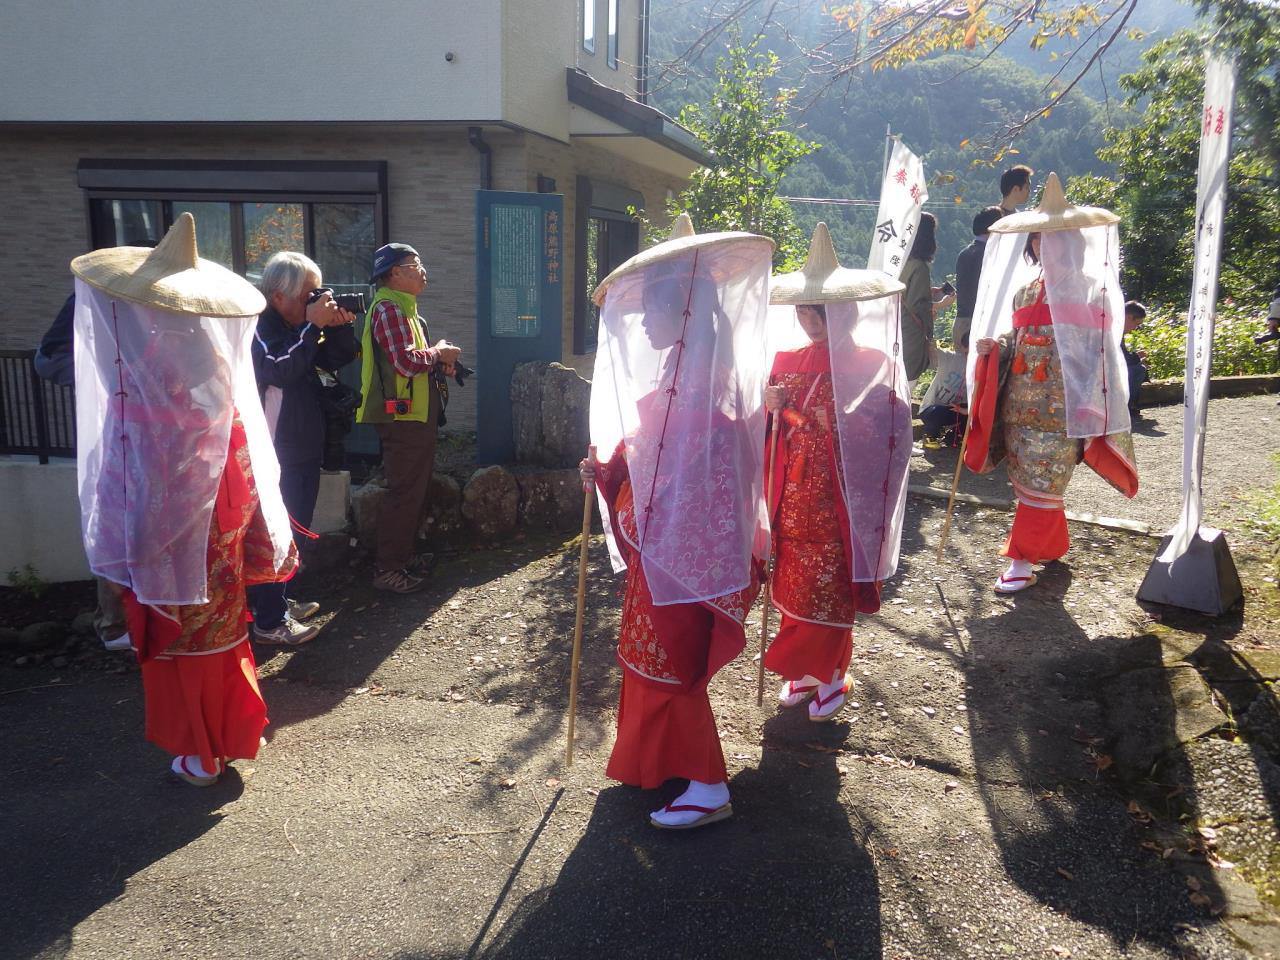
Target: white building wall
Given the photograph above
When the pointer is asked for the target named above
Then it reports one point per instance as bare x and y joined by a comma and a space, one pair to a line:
251, 60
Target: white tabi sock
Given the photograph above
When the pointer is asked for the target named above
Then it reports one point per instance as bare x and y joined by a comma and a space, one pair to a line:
827, 689
711, 796
1018, 568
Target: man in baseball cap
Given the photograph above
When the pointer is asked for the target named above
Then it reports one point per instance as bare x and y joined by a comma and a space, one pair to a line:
404, 406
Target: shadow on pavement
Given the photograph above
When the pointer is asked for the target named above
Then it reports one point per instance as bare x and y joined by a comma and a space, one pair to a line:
732, 890
1045, 702
82, 814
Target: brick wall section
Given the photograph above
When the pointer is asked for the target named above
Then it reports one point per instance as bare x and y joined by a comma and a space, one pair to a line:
432, 176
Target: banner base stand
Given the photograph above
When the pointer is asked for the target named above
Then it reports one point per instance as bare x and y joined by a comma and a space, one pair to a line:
1203, 579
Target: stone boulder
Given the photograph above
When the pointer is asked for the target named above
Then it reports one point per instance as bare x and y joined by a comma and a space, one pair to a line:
550, 499
365, 501
37, 636
491, 502
444, 509
550, 414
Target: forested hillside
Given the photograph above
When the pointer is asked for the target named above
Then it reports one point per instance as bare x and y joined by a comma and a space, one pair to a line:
935, 105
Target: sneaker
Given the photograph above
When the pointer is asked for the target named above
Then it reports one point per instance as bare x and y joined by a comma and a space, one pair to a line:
421, 564
303, 609
121, 642
398, 581
290, 633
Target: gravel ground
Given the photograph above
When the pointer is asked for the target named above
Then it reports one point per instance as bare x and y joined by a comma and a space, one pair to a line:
413, 803
1243, 436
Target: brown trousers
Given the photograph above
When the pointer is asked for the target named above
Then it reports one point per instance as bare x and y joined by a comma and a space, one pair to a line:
408, 456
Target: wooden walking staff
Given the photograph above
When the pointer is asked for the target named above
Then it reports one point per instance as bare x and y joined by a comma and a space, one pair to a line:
955, 484
588, 497
768, 567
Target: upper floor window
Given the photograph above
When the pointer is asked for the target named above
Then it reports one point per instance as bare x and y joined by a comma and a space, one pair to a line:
611, 48
589, 25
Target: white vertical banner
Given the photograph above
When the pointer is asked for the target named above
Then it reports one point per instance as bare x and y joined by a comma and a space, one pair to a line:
1211, 202
902, 197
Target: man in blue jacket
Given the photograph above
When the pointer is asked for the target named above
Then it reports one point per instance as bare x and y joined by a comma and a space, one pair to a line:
297, 333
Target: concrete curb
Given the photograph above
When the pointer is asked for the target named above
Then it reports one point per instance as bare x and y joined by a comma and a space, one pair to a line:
999, 503
1164, 392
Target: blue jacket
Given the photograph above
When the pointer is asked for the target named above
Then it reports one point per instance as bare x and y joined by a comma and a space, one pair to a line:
55, 356
285, 361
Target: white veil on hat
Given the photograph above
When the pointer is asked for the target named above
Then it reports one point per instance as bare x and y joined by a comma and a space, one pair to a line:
869, 383
1080, 259
156, 394
679, 382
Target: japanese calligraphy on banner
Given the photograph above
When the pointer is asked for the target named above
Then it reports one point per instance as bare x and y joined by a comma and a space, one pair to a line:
1211, 201
902, 197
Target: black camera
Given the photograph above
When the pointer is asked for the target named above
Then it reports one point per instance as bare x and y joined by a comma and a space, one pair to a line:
351, 302
1271, 337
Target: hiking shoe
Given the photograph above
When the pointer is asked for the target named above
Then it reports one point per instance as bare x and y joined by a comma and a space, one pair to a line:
398, 581
421, 564
303, 609
290, 633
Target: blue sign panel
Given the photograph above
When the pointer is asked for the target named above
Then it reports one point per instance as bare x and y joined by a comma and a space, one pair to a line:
519, 302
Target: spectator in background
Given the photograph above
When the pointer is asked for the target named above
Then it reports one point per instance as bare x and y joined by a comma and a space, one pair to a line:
968, 273
404, 405
1134, 314
55, 362
301, 329
1273, 316
1015, 188
918, 303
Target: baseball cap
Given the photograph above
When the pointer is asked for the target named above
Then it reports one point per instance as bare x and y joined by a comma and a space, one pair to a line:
387, 256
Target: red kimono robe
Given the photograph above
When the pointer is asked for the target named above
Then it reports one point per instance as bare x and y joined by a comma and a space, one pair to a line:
199, 678
668, 656
1019, 415
812, 583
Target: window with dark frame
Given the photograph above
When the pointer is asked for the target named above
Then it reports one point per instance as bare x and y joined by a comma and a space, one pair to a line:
589, 25
607, 236
611, 48
335, 213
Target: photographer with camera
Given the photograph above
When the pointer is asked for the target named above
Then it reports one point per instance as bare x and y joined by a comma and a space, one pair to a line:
404, 403
302, 331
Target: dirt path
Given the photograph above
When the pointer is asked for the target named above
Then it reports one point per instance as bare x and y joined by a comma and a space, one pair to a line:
412, 802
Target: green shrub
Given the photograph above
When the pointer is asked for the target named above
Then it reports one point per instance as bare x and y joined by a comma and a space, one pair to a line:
1162, 339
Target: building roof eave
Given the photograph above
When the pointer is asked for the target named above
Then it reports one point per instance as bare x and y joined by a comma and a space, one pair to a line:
629, 113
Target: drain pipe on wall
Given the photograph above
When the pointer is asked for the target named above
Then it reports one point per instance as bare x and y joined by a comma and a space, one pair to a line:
475, 137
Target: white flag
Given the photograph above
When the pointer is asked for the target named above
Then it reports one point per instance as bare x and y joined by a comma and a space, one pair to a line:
1211, 202
902, 197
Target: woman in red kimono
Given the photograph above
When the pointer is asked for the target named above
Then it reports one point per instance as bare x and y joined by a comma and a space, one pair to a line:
1049, 382
839, 411
199, 679
811, 585
179, 486
679, 492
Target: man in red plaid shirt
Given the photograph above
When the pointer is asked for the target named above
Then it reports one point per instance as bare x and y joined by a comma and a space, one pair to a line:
404, 406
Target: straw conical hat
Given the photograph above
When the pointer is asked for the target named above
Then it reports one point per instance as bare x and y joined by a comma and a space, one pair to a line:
171, 277
1054, 213
681, 240
823, 280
